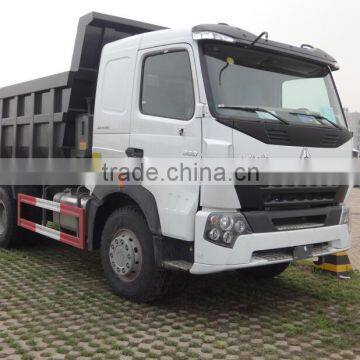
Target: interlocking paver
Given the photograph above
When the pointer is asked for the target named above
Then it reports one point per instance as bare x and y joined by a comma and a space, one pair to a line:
55, 303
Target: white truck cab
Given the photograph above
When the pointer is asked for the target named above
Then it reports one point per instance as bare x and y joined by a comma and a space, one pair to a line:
212, 92
163, 89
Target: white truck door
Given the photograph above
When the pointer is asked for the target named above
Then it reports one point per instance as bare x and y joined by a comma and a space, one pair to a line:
113, 98
166, 123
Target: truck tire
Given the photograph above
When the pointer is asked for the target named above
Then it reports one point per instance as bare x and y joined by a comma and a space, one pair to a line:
263, 272
127, 256
8, 226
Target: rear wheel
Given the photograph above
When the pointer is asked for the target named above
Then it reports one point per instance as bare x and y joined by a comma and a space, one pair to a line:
8, 224
127, 255
10, 234
263, 272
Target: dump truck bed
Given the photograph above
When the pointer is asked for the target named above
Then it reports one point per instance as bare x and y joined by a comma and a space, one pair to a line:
38, 118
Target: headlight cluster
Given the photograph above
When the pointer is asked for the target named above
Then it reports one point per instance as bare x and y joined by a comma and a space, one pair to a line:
223, 228
345, 217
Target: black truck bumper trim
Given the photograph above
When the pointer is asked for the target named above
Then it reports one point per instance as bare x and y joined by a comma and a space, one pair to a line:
286, 220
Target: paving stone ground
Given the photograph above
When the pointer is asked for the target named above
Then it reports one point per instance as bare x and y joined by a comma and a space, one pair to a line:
55, 304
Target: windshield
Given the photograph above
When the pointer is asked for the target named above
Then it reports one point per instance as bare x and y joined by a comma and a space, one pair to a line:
294, 90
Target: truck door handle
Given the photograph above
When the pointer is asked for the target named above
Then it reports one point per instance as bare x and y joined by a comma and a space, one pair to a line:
134, 152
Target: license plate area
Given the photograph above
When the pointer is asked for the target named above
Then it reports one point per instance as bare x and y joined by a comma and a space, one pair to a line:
302, 252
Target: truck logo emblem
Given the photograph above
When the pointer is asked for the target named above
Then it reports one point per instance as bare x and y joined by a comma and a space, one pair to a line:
305, 154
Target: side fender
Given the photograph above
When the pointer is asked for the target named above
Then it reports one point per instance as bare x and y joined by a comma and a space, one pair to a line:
137, 193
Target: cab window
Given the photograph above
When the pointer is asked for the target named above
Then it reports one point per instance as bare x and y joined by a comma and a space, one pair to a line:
167, 86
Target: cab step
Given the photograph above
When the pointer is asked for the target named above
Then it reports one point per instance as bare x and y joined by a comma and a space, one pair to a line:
179, 265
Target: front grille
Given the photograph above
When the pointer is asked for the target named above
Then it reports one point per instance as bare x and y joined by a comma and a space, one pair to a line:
305, 196
289, 197
278, 136
297, 223
281, 136
330, 140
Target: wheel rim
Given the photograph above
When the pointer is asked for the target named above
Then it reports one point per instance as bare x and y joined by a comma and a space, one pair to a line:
125, 255
3, 217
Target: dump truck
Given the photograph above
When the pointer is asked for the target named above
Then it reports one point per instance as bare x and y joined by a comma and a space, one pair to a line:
141, 92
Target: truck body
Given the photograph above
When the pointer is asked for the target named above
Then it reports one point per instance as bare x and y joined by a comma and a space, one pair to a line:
144, 92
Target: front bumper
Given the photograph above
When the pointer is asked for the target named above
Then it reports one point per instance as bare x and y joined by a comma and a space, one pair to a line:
259, 249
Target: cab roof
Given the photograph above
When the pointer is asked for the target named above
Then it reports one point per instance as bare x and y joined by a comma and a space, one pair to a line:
247, 38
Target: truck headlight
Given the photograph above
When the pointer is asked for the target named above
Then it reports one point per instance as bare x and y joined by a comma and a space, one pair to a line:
223, 228
345, 217
228, 237
214, 234
226, 223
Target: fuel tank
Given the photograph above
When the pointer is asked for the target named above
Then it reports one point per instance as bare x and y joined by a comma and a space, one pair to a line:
73, 197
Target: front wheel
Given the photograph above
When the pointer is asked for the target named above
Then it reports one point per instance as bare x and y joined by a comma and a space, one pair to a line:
127, 255
263, 272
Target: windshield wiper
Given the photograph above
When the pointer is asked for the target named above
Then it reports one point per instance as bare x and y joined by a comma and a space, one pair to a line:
316, 116
254, 110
